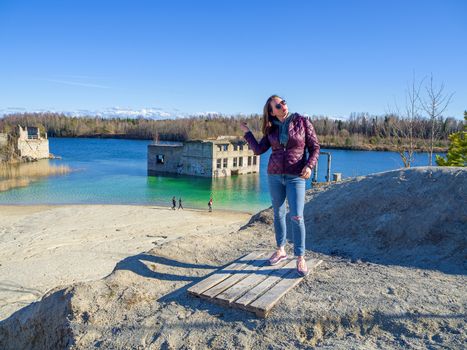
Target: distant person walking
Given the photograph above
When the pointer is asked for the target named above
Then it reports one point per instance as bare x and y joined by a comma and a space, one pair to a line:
210, 204
289, 135
180, 203
174, 203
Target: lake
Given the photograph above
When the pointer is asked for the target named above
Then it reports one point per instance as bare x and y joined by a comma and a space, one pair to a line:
111, 171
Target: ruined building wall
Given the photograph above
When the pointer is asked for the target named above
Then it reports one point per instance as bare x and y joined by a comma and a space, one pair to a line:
230, 159
192, 158
202, 158
3, 146
196, 159
164, 159
3, 140
37, 147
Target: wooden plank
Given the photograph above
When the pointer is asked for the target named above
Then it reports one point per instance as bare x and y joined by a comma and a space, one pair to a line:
235, 277
219, 276
261, 288
248, 283
264, 303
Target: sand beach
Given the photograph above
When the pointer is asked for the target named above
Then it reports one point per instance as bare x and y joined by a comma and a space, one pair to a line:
43, 247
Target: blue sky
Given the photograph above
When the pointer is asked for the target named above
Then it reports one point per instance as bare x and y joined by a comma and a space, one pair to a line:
325, 57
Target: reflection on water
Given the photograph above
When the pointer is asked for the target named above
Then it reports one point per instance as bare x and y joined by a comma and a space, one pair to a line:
22, 174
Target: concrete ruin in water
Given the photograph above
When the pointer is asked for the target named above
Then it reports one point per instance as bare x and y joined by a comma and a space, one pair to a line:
224, 156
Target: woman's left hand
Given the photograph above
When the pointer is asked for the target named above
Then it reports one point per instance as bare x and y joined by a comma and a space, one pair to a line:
306, 173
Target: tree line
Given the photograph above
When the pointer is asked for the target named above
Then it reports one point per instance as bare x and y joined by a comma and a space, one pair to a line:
359, 131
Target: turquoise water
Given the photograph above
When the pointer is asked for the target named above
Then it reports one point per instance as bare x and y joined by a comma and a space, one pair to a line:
108, 171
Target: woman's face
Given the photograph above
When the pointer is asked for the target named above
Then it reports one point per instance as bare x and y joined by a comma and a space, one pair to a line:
279, 108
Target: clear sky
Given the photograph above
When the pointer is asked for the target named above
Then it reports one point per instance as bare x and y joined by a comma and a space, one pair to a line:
325, 57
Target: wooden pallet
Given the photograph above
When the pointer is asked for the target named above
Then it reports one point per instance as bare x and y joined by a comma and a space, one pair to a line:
250, 283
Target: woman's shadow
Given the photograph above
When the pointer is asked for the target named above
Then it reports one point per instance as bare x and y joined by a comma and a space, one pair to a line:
181, 272
139, 264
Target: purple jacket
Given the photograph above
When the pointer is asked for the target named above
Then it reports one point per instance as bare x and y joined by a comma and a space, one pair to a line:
290, 159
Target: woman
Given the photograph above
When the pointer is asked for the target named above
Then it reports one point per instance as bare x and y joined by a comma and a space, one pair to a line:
289, 135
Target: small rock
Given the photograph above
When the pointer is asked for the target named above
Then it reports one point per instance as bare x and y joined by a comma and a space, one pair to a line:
85, 316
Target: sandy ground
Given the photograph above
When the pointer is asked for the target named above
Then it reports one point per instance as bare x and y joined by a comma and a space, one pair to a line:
394, 274
42, 247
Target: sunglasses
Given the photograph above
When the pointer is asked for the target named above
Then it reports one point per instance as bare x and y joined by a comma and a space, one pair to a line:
280, 104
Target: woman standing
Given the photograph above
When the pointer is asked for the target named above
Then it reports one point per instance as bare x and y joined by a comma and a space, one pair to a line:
289, 135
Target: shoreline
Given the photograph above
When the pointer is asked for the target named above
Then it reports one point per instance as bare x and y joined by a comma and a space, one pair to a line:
363, 147
155, 206
381, 148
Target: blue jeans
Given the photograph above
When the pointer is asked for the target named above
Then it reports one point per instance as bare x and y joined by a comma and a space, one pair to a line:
292, 187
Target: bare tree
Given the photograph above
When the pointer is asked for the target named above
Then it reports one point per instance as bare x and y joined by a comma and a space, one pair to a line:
401, 127
434, 105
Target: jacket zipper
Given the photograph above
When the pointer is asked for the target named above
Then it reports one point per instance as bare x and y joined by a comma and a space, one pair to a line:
283, 160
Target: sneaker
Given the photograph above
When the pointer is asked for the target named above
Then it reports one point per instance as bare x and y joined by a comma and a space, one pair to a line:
276, 258
302, 268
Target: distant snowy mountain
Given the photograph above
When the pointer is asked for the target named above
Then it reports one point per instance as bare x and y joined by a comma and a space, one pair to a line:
113, 112
153, 113
122, 112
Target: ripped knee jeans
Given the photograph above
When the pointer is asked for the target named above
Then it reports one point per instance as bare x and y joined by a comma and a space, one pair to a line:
291, 187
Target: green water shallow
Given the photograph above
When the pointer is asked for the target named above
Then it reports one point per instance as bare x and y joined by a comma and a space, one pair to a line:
237, 193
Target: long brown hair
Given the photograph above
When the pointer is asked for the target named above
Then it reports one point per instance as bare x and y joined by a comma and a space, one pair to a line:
267, 115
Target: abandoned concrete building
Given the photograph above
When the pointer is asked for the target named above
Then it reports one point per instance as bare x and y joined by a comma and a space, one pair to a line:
30, 143
3, 139
208, 158
3, 147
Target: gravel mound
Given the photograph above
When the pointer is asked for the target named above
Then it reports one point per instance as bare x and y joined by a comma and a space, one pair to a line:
411, 217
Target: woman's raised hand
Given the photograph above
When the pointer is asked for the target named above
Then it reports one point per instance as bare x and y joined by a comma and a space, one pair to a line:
244, 127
